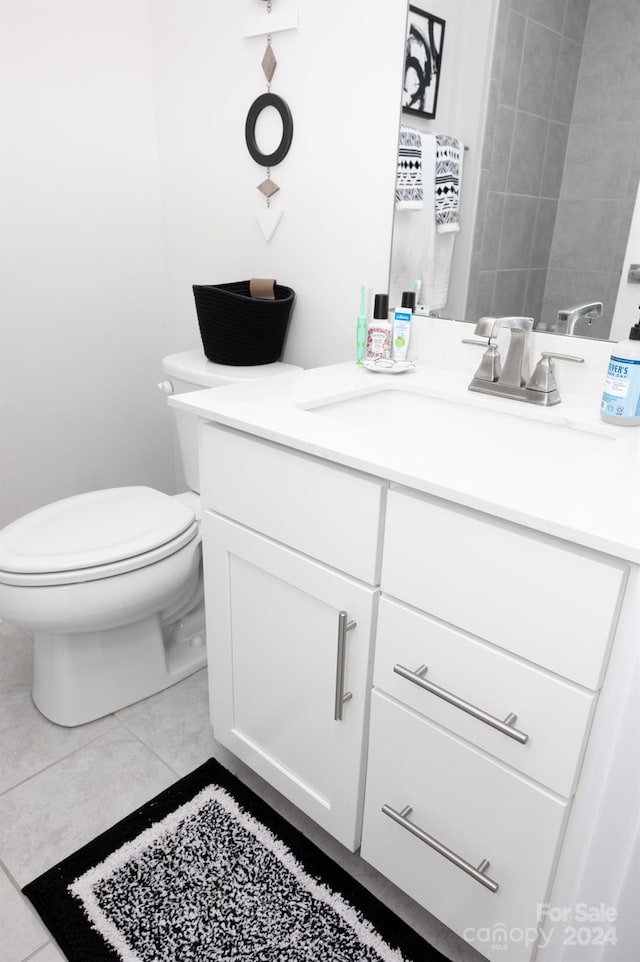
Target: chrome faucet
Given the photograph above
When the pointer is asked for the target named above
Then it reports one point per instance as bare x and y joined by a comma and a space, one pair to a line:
568, 317
515, 370
512, 380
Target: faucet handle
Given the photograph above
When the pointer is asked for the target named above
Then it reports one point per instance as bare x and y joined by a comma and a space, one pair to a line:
562, 357
488, 327
490, 365
544, 378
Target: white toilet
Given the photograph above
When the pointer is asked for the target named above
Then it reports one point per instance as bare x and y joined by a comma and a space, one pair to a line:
110, 582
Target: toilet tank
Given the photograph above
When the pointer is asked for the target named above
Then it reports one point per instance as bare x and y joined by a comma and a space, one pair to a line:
191, 371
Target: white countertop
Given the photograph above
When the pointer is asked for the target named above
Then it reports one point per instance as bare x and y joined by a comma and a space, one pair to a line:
580, 483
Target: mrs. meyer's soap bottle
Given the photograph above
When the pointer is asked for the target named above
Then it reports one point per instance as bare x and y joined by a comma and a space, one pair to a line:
621, 396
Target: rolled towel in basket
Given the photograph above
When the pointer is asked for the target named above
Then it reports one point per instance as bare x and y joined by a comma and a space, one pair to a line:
263, 287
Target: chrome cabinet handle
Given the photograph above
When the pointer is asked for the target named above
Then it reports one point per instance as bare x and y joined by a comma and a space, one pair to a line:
506, 726
341, 695
476, 873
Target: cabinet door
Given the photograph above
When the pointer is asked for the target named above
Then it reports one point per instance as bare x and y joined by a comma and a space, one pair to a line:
273, 619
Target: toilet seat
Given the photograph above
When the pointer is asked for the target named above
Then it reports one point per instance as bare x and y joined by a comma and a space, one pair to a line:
94, 535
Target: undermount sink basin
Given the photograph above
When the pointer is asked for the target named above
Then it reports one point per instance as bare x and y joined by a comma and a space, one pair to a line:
418, 413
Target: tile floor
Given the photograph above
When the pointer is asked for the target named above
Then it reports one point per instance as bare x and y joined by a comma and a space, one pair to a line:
60, 787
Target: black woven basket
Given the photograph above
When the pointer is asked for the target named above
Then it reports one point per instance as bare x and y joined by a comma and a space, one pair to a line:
239, 329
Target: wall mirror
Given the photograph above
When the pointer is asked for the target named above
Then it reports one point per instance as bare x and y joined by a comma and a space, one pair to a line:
545, 95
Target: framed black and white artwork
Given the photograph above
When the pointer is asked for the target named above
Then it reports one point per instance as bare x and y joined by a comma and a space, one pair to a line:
423, 63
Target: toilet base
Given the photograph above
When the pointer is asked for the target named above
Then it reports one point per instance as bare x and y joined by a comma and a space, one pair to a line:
80, 677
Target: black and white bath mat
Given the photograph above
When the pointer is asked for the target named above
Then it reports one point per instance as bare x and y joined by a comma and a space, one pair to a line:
208, 872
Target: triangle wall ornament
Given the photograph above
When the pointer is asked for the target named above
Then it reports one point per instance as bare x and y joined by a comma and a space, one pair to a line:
268, 218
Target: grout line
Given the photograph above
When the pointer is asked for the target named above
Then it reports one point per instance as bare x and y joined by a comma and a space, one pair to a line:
46, 935
150, 748
120, 724
32, 955
62, 758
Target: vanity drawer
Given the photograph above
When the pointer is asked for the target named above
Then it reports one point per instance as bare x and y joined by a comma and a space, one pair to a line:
534, 596
330, 513
471, 805
551, 714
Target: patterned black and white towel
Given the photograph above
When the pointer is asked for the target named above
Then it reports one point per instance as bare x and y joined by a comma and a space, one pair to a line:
449, 154
409, 187
218, 877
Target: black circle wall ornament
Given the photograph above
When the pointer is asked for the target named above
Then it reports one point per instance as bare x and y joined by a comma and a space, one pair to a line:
256, 108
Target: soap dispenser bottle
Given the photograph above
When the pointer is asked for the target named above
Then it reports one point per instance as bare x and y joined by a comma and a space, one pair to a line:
379, 330
621, 396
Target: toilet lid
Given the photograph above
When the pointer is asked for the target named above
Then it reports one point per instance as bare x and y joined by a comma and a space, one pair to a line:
97, 528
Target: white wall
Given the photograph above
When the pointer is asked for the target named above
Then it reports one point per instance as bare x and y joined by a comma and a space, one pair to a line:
126, 179
340, 73
83, 317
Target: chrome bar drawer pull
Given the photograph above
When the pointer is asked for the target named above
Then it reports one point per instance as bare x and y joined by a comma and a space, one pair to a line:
506, 726
341, 695
479, 873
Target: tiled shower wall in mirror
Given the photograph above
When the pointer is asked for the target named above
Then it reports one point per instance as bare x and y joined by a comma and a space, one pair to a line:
560, 160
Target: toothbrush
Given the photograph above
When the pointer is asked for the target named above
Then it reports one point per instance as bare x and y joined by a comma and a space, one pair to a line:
361, 330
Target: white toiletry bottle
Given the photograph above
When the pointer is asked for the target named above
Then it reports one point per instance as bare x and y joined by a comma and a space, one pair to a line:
621, 396
402, 326
379, 330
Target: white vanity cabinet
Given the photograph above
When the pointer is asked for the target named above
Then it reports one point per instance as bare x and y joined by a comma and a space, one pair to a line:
359, 626
290, 636
491, 645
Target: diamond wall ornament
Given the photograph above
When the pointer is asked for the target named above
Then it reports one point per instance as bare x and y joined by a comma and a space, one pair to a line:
269, 63
268, 187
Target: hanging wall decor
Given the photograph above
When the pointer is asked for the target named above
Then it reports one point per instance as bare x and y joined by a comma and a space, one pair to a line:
268, 216
423, 63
